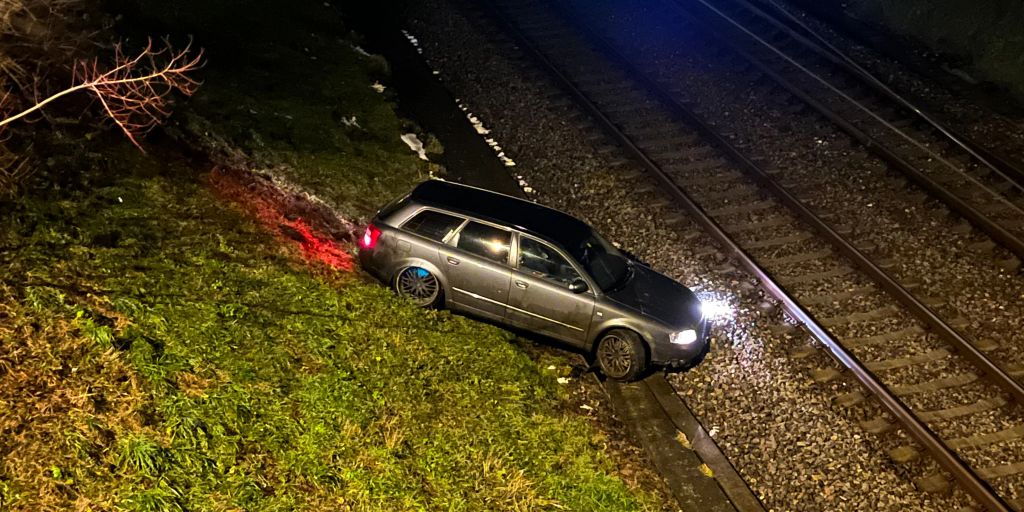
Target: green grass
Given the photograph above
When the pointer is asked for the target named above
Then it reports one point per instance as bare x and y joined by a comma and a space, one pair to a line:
263, 385
287, 87
161, 351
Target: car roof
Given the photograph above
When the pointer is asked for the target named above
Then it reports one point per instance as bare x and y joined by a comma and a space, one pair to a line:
549, 223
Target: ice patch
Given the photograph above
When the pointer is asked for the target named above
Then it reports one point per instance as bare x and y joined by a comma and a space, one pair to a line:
411, 140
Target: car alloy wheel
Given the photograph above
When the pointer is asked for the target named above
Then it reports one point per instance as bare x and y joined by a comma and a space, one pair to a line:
419, 285
620, 354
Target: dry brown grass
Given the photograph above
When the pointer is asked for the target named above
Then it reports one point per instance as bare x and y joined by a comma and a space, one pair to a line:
51, 413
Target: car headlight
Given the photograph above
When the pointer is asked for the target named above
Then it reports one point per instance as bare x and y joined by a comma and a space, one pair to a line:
683, 337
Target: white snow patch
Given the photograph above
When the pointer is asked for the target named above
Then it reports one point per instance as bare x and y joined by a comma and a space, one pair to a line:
563, 380
356, 48
350, 122
379, 87
478, 125
411, 140
412, 39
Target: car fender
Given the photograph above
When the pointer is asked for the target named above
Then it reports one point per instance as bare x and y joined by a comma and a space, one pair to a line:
428, 265
638, 326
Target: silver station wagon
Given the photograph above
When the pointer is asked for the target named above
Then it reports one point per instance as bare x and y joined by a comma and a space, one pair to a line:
537, 269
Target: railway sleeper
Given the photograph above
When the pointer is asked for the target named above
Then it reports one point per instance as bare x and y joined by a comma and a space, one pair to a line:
933, 484
865, 316
878, 425
978, 440
913, 330
983, 405
740, 208
731, 195
938, 384
903, 362
904, 454
778, 241
696, 166
849, 399
838, 297
803, 352
770, 222
798, 258
815, 276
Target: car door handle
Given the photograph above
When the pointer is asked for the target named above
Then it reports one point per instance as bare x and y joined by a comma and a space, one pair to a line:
522, 284
453, 261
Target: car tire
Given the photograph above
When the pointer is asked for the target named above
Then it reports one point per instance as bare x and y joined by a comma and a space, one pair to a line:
621, 355
420, 286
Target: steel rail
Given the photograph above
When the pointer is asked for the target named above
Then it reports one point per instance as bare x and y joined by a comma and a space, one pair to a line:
827, 50
917, 308
946, 457
998, 233
911, 139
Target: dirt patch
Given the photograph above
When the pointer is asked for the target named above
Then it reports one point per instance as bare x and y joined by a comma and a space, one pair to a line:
320, 233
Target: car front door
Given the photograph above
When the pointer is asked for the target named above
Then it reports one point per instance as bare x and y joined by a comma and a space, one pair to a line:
477, 267
540, 299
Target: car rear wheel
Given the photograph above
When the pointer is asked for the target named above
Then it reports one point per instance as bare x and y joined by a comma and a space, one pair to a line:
621, 355
419, 285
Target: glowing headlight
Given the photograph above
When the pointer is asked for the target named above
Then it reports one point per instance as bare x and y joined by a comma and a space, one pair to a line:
683, 337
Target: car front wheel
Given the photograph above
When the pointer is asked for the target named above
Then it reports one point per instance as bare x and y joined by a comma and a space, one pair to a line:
621, 355
419, 285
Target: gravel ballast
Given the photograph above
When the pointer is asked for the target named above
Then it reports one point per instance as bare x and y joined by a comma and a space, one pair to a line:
796, 449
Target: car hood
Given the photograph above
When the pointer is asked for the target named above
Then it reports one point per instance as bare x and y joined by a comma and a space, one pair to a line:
659, 297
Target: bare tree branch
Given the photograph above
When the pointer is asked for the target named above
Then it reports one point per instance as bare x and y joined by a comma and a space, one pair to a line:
136, 92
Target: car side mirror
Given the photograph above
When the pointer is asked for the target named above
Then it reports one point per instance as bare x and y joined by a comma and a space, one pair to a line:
578, 286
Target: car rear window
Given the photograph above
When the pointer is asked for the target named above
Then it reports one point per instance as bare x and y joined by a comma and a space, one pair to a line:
486, 241
433, 225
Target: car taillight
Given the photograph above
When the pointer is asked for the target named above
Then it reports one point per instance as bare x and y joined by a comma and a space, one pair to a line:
370, 237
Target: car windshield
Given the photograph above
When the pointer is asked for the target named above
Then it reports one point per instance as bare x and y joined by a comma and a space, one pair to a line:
608, 267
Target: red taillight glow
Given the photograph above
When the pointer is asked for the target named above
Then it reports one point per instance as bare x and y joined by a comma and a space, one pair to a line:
370, 237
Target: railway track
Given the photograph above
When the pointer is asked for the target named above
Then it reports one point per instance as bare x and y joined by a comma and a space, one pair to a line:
984, 187
956, 403
858, 193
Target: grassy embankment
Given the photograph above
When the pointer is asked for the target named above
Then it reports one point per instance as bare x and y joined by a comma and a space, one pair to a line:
162, 350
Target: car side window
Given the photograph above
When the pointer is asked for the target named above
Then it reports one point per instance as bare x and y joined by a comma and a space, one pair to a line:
541, 260
485, 241
433, 225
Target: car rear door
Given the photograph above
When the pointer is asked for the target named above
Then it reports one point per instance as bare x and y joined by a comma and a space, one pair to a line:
476, 261
540, 299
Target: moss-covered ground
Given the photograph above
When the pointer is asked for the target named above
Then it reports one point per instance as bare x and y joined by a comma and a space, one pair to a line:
161, 350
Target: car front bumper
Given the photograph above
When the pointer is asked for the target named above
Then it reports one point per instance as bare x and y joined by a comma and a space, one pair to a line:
683, 357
